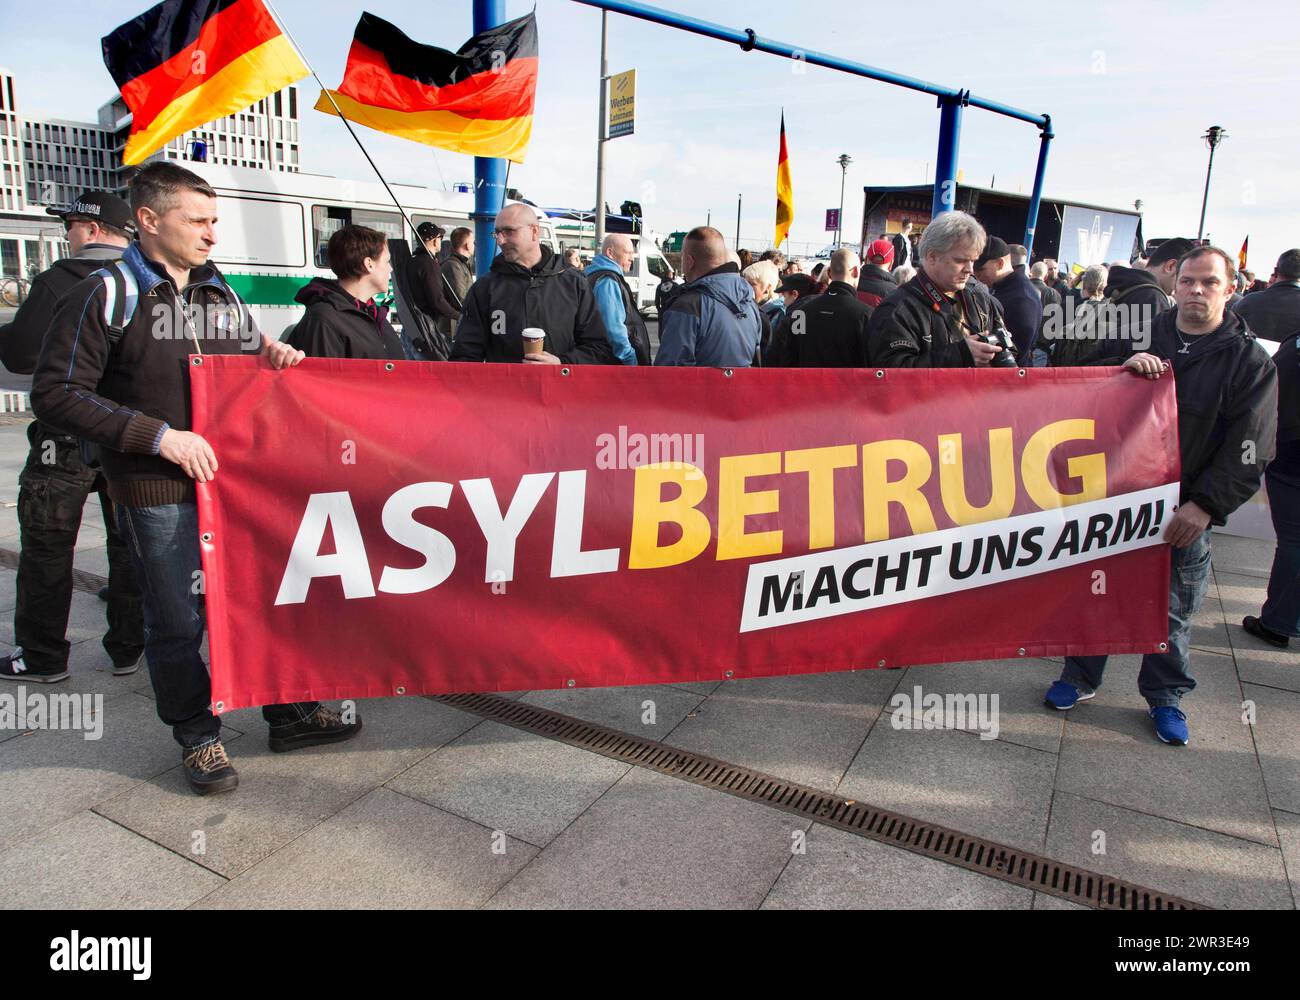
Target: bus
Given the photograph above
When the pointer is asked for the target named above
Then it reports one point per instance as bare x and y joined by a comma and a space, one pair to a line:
272, 229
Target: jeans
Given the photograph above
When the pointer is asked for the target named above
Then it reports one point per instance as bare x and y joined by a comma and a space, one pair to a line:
1164, 677
1039, 358
164, 542
1281, 612
52, 494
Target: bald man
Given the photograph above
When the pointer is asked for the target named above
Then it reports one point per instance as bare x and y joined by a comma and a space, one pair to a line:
628, 337
529, 286
713, 321
829, 330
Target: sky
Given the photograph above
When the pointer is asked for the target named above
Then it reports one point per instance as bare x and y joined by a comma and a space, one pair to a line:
1130, 87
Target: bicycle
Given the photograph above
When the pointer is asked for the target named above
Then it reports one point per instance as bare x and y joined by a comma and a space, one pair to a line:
13, 291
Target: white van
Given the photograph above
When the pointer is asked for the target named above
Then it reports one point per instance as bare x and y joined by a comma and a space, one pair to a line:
649, 268
272, 229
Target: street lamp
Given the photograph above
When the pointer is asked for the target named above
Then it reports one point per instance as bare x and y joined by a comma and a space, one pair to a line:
844, 161
1214, 135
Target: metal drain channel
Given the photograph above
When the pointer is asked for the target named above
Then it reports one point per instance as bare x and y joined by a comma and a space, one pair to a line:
1010, 864
81, 580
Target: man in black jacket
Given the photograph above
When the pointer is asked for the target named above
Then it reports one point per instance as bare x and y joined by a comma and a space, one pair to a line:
935, 320
55, 482
529, 286
1002, 269
1136, 295
1226, 389
829, 330
876, 284
1274, 314
114, 370
424, 274
902, 243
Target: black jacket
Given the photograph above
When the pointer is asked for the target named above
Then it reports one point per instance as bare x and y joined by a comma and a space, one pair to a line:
875, 284
638, 335
1140, 297
827, 330
20, 340
511, 297
1273, 314
906, 331
1227, 390
424, 274
1022, 307
902, 251
336, 325
124, 397
1049, 295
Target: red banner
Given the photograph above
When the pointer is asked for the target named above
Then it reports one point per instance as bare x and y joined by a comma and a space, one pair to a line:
379, 529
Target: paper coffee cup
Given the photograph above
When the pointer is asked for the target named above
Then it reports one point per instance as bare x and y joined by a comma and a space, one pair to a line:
534, 340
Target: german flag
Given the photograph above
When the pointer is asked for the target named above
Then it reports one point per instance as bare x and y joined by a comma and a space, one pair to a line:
784, 191
187, 62
477, 100
1241, 256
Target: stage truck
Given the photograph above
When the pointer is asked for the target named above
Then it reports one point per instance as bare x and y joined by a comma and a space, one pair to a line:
1070, 232
273, 228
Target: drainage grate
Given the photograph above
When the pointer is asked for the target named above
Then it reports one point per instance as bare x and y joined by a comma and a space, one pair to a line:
90, 583
986, 857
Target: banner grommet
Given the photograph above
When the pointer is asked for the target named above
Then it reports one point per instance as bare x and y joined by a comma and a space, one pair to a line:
1164, 647
206, 536
564, 371
880, 373
880, 663
570, 683
1020, 651
400, 690
389, 367
1021, 373
726, 372
196, 361
729, 674
219, 706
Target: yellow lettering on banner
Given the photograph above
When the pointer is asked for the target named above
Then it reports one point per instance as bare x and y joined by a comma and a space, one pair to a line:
1002, 474
820, 464
1090, 470
650, 510
878, 492
734, 503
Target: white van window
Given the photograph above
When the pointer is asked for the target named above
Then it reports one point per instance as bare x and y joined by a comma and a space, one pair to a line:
658, 266
326, 220
259, 231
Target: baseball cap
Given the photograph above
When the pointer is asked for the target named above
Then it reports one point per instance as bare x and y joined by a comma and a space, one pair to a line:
883, 249
98, 206
428, 231
801, 283
1170, 250
993, 249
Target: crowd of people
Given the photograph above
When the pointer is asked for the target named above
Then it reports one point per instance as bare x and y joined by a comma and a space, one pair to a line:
105, 380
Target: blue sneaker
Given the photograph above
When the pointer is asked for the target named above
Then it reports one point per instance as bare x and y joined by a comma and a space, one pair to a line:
1063, 696
1171, 724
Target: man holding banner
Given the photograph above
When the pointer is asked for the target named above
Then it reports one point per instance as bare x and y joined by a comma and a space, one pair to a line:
114, 370
1227, 423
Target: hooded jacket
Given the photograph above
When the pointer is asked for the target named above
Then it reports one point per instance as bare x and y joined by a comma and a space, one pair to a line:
834, 330
713, 322
125, 396
511, 297
20, 340
1140, 297
336, 325
424, 273
628, 337
1227, 390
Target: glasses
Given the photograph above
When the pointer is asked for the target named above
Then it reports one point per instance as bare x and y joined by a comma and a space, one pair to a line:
508, 230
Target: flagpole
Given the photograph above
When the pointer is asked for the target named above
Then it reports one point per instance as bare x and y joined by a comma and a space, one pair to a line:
338, 111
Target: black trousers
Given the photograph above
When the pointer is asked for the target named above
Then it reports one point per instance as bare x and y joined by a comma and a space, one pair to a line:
53, 489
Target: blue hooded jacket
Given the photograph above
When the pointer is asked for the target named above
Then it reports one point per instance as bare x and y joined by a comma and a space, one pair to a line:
609, 303
712, 322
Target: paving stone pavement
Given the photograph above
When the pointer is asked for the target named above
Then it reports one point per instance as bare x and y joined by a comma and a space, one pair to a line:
434, 807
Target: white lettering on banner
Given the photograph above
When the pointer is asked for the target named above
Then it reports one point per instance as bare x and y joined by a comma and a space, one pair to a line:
567, 557
880, 574
438, 551
502, 532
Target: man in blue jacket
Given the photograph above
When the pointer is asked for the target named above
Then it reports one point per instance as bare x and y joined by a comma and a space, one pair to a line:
624, 328
713, 321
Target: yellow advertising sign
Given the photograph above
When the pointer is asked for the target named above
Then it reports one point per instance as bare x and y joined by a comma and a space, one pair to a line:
622, 103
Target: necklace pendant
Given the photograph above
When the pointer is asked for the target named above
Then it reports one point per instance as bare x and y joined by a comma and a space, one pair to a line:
1187, 348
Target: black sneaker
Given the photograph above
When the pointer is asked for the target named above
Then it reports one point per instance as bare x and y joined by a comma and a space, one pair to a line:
1256, 628
14, 668
326, 726
210, 770
123, 669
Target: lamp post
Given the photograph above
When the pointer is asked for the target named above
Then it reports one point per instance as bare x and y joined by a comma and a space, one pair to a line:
1214, 135
844, 161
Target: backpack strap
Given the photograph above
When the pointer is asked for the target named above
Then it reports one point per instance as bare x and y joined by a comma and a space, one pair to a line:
122, 295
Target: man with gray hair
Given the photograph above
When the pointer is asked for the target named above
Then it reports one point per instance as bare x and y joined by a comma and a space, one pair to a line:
624, 327
829, 330
935, 321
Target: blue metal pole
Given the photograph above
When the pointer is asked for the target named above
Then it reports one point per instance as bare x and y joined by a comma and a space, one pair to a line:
945, 167
489, 173
1031, 220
